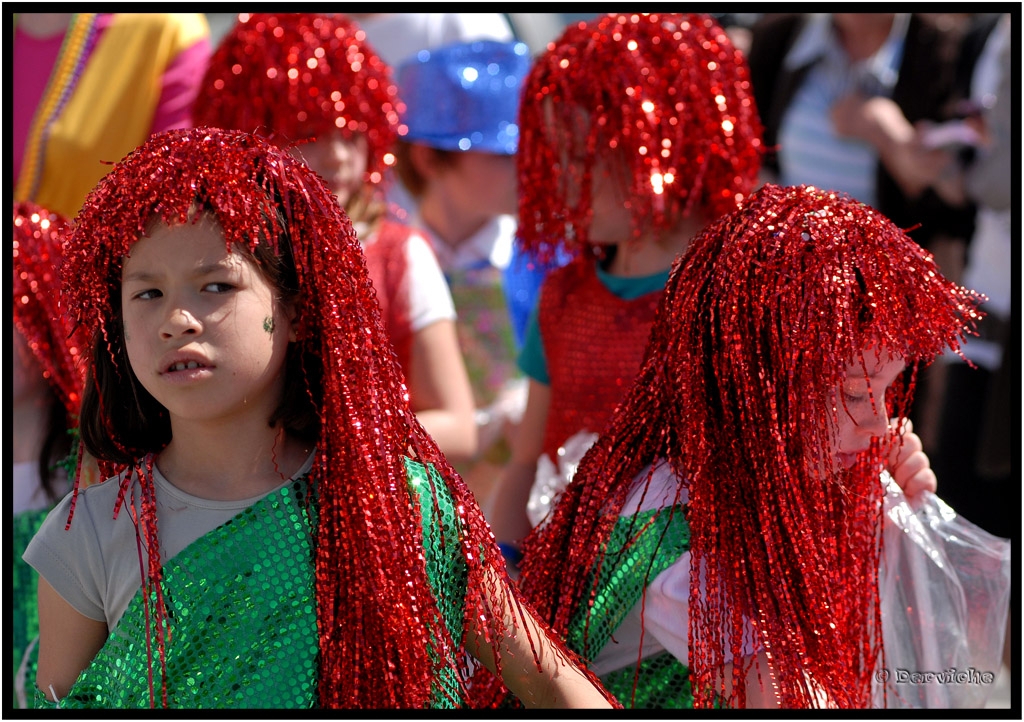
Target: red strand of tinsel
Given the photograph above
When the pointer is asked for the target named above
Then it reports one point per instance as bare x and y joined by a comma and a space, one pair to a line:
667, 95
760, 319
38, 314
378, 619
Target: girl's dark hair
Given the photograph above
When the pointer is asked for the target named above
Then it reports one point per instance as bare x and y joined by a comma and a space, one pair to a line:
56, 447
122, 421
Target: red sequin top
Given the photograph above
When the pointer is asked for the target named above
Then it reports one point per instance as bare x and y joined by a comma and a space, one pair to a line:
386, 261
593, 343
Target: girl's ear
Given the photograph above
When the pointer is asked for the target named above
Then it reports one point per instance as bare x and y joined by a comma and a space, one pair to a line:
292, 313
423, 159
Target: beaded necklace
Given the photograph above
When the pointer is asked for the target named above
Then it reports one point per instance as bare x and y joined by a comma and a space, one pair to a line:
78, 42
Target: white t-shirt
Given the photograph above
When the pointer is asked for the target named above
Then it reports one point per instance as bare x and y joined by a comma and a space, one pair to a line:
95, 565
430, 299
666, 616
492, 244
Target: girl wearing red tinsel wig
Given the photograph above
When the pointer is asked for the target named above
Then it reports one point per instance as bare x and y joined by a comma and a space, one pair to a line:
47, 390
281, 532
311, 83
719, 543
636, 130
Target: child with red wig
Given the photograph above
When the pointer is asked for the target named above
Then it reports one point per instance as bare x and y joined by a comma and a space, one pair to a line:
635, 130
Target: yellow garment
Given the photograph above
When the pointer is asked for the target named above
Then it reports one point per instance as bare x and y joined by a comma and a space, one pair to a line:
111, 110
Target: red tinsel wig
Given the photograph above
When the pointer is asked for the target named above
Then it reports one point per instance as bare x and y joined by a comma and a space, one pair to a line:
761, 317
38, 313
55, 342
379, 621
295, 76
666, 94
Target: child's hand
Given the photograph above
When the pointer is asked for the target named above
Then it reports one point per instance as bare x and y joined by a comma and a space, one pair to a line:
907, 462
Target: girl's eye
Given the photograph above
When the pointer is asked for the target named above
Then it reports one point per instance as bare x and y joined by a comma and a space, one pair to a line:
854, 398
218, 287
147, 294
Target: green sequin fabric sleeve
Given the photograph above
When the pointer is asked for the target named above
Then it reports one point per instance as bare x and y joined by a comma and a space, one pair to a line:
24, 629
640, 547
446, 566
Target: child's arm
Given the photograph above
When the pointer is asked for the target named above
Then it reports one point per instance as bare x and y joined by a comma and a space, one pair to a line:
440, 390
507, 505
907, 462
555, 683
758, 679
68, 641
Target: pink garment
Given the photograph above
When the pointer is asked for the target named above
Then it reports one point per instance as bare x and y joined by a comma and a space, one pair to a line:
34, 59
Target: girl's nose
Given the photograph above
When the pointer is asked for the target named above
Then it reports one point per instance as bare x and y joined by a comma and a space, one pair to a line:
179, 322
877, 423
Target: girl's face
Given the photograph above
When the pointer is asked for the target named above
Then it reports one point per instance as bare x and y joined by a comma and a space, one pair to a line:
481, 183
864, 414
29, 382
341, 163
204, 330
612, 219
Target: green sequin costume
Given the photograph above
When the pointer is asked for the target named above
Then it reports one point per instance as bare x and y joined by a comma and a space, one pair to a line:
640, 548
242, 605
25, 622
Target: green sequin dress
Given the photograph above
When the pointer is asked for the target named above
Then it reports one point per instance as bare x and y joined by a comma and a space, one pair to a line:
242, 610
656, 540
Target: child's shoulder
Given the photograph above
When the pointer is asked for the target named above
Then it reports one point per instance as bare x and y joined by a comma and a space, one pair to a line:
98, 494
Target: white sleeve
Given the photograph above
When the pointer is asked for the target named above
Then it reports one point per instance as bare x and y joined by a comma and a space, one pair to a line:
667, 607
430, 299
667, 613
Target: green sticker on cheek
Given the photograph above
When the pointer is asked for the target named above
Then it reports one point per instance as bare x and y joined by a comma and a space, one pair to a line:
268, 324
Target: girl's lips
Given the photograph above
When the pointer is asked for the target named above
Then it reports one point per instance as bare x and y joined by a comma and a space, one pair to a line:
185, 375
847, 460
183, 361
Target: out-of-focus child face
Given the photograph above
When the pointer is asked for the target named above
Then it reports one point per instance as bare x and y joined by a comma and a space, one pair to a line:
339, 161
860, 404
29, 382
611, 217
487, 181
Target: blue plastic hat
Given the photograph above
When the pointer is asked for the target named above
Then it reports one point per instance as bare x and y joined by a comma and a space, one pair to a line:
464, 96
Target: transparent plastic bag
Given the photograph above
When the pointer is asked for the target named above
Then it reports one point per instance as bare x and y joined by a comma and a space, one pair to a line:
944, 587
552, 478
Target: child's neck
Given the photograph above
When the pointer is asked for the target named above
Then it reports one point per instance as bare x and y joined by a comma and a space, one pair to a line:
238, 464
648, 255
447, 223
